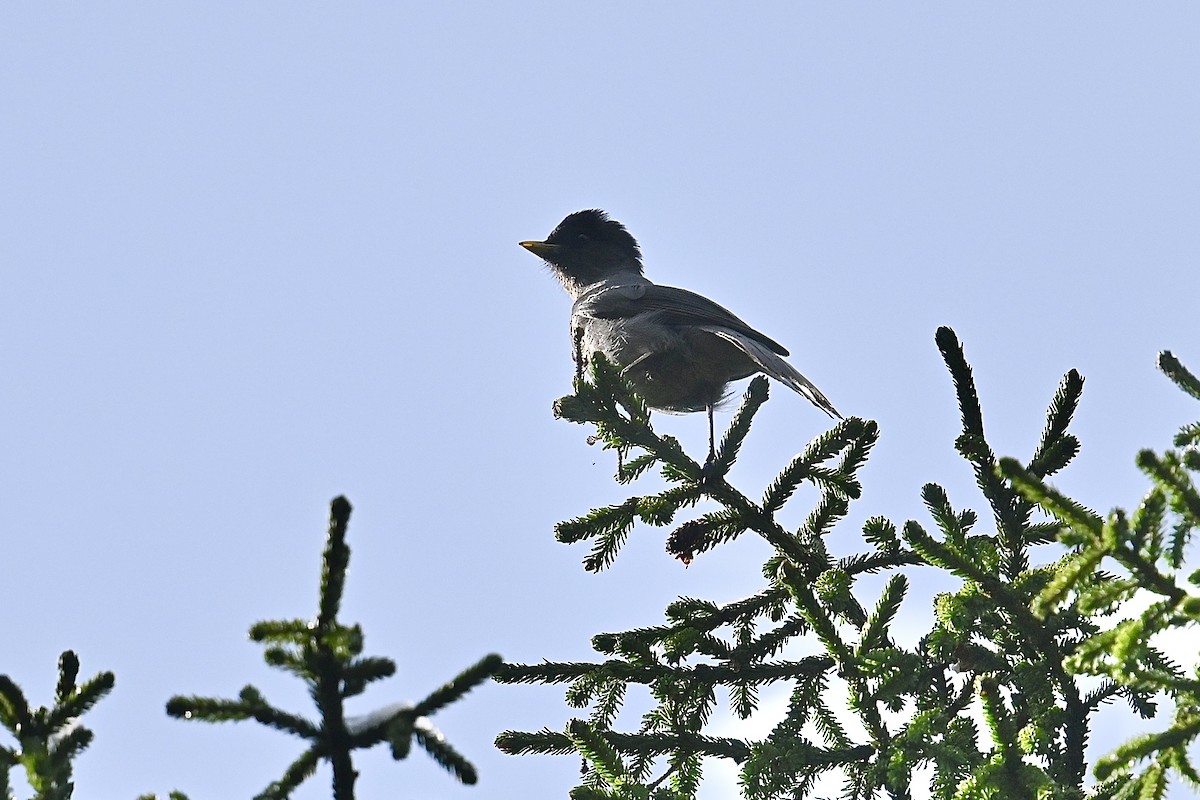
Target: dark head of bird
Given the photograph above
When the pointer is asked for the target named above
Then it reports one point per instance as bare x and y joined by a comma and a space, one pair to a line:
586, 247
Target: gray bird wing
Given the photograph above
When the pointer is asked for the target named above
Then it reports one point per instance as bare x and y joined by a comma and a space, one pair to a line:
771, 364
672, 306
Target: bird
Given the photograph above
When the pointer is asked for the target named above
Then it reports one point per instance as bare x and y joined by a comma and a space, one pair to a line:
679, 349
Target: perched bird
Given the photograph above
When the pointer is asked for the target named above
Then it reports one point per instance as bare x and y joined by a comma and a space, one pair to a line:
679, 350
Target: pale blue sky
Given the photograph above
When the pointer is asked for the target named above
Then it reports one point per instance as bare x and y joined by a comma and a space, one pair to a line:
254, 255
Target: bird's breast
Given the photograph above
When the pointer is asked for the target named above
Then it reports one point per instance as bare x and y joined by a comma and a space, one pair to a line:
672, 368
625, 339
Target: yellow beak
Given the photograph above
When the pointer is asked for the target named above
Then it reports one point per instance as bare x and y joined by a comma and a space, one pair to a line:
540, 249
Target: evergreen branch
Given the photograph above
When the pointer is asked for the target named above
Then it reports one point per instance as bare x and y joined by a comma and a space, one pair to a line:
821, 520
1188, 436
731, 443
327, 656
1140, 747
599, 521
70, 744
855, 456
687, 641
700, 535
49, 738
1037, 640
1103, 595
1010, 514
684, 773
773, 640
591, 744
870, 564
446, 756
881, 533
611, 697
698, 674
208, 709
1179, 374
462, 683
852, 433
604, 550
1106, 691
770, 671
365, 670
1066, 578
875, 635
1183, 493
1178, 759
939, 506
1054, 502
543, 742
638, 639
287, 659
1056, 449
582, 690
1057, 456
771, 599
950, 558
631, 469
784, 767
821, 623
1036, 709
1116, 540
1004, 735
596, 402
340, 642
297, 772
14, 708
548, 742
554, 672
743, 699
828, 725
1180, 536
292, 631
834, 589
68, 672
1042, 532
77, 703
835, 481
759, 520
611, 526
964, 382
660, 509
334, 563
842, 654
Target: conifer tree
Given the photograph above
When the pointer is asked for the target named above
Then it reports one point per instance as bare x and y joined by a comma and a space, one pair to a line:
327, 655
1147, 548
50, 737
1015, 646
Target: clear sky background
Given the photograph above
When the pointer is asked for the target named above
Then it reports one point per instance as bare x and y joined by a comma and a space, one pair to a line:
255, 255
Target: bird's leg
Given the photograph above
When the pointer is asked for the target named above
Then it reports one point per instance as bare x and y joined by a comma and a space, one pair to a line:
635, 362
712, 453
712, 450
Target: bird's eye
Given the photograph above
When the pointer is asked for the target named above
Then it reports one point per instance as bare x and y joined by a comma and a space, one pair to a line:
583, 238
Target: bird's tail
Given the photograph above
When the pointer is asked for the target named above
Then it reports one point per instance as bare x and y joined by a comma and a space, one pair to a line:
774, 365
